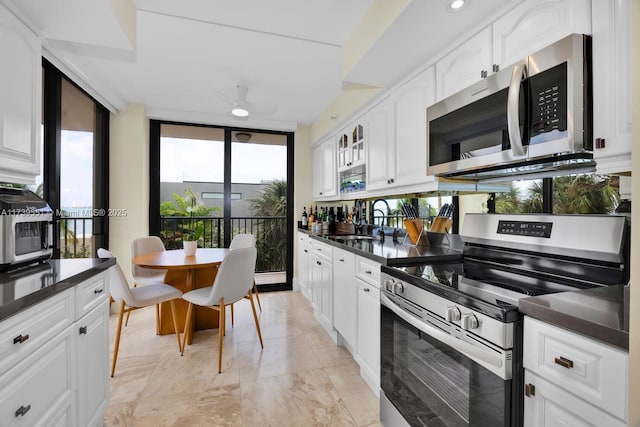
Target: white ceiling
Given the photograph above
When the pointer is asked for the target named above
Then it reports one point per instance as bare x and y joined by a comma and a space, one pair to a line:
287, 52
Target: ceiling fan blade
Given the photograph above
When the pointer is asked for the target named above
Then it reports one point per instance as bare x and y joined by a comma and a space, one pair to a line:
224, 97
262, 108
241, 94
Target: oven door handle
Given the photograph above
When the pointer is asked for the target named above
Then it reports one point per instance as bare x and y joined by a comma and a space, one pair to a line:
457, 344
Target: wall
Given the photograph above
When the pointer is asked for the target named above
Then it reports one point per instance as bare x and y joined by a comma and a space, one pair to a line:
128, 180
303, 193
634, 306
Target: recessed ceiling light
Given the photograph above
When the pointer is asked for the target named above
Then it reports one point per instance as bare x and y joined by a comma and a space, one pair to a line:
456, 5
240, 112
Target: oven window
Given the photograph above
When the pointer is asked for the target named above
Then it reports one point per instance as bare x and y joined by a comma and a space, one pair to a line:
433, 384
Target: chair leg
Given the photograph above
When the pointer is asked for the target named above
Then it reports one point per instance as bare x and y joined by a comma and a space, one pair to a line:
126, 322
255, 318
255, 291
232, 316
221, 327
157, 319
175, 323
187, 322
117, 345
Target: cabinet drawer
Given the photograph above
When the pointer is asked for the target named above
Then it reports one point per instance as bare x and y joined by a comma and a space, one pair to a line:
90, 294
593, 371
25, 332
368, 270
320, 249
37, 390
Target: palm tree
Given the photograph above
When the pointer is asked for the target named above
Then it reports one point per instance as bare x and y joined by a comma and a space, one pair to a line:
271, 237
509, 202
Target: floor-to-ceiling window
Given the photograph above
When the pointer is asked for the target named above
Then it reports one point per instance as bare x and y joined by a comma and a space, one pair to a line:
75, 165
226, 181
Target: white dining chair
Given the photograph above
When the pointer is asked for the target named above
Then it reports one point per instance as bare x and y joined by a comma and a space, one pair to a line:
134, 298
233, 282
245, 240
146, 276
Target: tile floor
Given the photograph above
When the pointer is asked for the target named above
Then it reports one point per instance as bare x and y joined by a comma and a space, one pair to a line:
300, 378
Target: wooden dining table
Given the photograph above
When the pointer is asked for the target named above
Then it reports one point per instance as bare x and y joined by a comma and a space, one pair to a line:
185, 273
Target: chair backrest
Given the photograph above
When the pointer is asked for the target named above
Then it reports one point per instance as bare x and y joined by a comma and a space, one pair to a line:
243, 241
118, 283
235, 276
141, 246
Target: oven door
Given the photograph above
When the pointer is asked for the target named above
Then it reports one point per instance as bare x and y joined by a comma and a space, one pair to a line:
429, 382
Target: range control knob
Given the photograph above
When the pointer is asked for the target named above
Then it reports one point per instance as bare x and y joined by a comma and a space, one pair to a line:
398, 288
388, 284
470, 321
453, 313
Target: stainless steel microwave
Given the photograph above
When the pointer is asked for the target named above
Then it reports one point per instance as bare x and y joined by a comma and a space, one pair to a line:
532, 117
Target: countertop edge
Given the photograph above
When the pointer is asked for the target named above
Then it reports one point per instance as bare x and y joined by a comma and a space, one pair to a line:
581, 326
23, 303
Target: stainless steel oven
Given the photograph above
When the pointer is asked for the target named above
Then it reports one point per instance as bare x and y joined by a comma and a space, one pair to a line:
533, 117
26, 227
451, 333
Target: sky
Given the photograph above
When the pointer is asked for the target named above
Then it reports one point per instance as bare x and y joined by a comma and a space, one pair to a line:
181, 160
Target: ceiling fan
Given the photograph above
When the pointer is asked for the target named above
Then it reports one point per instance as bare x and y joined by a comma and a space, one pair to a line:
241, 109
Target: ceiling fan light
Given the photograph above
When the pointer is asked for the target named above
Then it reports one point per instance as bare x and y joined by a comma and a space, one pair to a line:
456, 5
240, 112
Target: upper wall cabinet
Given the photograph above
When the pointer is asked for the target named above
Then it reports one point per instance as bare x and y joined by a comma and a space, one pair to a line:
464, 66
611, 85
20, 102
324, 170
351, 145
536, 24
410, 111
381, 146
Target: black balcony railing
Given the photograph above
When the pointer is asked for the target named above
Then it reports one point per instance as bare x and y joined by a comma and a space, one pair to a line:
270, 235
75, 237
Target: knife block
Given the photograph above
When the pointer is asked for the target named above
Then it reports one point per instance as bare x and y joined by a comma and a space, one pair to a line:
415, 229
441, 224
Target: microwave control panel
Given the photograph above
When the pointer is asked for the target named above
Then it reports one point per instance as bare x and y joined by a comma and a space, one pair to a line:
525, 228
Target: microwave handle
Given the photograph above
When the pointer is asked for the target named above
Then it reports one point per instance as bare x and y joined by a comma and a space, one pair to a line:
50, 234
513, 120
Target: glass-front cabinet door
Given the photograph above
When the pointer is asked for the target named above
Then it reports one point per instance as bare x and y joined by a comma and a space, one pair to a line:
344, 151
357, 145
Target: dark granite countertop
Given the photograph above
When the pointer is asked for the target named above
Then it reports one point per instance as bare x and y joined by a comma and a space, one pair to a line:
393, 253
26, 286
599, 313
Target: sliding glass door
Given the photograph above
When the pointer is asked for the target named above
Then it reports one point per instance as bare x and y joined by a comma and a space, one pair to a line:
224, 181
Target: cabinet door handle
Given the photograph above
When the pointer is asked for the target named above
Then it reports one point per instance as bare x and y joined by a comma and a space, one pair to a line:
22, 410
306, 251
600, 143
341, 260
318, 262
20, 339
564, 362
98, 291
368, 271
366, 290
529, 390
83, 330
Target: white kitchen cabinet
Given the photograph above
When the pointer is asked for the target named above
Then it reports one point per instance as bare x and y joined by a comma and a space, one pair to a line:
93, 362
344, 295
321, 273
303, 265
20, 103
368, 334
40, 389
381, 149
591, 375
351, 146
535, 24
549, 405
410, 113
324, 170
466, 65
611, 46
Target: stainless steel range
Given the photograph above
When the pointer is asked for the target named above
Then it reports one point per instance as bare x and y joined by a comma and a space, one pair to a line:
451, 333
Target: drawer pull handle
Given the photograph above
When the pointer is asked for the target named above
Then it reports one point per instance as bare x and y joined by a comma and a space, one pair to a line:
564, 362
83, 330
529, 390
366, 289
341, 260
368, 271
22, 410
306, 251
318, 262
20, 339
98, 291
